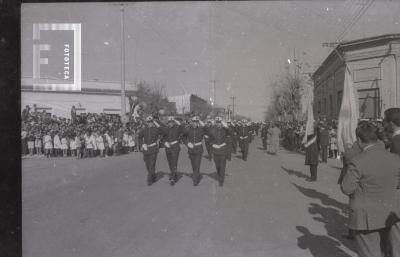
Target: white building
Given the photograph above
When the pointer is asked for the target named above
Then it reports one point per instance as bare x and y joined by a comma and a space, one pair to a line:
95, 97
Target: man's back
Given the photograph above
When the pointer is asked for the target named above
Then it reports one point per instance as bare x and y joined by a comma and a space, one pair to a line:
372, 181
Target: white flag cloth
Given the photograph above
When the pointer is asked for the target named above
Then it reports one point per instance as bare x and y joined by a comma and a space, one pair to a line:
348, 116
310, 115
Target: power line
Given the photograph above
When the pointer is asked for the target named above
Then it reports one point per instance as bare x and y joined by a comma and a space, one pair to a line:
356, 19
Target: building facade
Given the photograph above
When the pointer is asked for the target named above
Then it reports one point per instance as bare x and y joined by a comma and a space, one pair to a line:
190, 103
95, 97
375, 70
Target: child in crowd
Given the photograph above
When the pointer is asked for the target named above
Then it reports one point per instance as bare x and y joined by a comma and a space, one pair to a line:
100, 144
108, 143
64, 145
131, 141
78, 143
57, 144
48, 144
31, 143
72, 145
38, 143
125, 142
88, 145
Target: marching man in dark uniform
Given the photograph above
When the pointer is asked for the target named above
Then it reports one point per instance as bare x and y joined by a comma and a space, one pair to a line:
194, 141
219, 135
207, 140
233, 127
229, 139
171, 137
244, 138
148, 137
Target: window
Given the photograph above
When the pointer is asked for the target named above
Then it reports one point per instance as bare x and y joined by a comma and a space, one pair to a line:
331, 105
325, 111
369, 103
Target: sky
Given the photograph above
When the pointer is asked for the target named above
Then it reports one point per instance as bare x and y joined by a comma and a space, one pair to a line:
183, 46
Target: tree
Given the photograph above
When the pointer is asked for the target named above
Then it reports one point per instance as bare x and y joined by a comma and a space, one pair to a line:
286, 100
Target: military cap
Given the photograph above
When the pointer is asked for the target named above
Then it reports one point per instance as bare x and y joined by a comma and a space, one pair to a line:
218, 119
149, 118
195, 118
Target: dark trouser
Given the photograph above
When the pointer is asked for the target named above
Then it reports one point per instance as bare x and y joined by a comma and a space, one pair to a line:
244, 147
209, 149
230, 150
313, 171
374, 243
264, 142
150, 161
195, 159
172, 158
234, 146
220, 164
324, 153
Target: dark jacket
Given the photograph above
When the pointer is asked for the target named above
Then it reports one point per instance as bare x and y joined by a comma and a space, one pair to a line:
395, 145
172, 136
195, 136
220, 137
149, 136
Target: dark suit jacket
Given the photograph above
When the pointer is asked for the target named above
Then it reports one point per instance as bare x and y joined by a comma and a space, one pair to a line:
324, 137
371, 181
395, 145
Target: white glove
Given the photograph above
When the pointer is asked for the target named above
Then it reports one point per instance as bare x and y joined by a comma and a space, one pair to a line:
215, 146
144, 146
224, 124
201, 123
177, 122
190, 145
167, 144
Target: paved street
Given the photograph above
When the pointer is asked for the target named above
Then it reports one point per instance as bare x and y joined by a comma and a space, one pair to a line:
102, 207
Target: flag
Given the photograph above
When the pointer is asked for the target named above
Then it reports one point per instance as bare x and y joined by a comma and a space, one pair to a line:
308, 104
348, 115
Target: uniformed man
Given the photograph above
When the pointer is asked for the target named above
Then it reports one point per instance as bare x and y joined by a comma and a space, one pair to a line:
194, 141
171, 137
219, 136
244, 138
148, 137
229, 139
207, 140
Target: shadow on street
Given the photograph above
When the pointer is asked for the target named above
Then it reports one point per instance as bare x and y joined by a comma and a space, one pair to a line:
318, 245
295, 172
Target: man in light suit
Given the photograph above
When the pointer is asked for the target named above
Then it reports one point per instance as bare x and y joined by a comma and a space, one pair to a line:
392, 118
372, 182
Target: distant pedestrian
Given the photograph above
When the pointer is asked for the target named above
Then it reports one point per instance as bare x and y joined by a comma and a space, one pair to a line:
312, 152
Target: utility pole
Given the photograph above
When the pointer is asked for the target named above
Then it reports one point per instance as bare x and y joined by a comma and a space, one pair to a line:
214, 81
123, 106
233, 107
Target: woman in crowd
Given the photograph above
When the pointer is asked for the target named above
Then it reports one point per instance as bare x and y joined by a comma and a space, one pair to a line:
100, 143
31, 143
57, 144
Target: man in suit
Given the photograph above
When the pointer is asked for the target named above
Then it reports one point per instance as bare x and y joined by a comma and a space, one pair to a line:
194, 141
171, 137
323, 141
219, 136
392, 119
372, 182
148, 137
